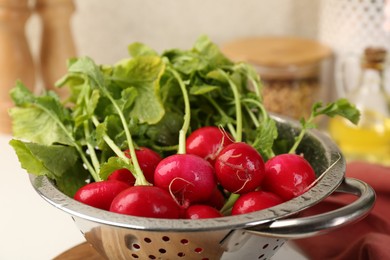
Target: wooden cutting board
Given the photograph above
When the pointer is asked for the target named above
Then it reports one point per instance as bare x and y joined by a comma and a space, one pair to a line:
82, 251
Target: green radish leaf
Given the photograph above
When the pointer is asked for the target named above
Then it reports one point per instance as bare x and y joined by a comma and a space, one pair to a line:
72, 180
142, 73
42, 120
211, 52
166, 132
129, 97
137, 49
216, 75
35, 125
21, 95
186, 62
341, 107
253, 76
267, 132
58, 162
113, 163
86, 66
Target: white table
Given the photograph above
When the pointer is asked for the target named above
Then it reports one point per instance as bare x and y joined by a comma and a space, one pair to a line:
30, 228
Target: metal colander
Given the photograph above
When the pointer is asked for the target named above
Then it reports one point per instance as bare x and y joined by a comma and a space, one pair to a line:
256, 235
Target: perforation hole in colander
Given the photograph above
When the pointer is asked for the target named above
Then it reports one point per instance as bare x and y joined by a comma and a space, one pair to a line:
157, 245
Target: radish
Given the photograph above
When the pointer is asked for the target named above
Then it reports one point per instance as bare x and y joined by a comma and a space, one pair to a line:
216, 200
288, 175
239, 168
207, 142
100, 194
201, 212
147, 159
146, 201
123, 175
254, 201
188, 177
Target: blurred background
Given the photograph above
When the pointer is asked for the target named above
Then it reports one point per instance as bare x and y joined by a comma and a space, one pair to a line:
103, 29
305, 51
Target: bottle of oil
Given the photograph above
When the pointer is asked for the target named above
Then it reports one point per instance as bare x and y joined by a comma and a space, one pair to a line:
370, 139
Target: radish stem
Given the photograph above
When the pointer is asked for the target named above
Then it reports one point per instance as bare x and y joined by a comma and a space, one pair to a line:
237, 103
299, 138
187, 113
120, 154
222, 113
91, 149
87, 133
229, 203
139, 176
259, 105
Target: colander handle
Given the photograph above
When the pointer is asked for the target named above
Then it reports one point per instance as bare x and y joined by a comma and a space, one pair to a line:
322, 223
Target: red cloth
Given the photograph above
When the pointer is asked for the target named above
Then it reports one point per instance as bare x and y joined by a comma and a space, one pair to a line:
366, 239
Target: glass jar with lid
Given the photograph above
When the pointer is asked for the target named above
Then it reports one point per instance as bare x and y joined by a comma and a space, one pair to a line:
289, 68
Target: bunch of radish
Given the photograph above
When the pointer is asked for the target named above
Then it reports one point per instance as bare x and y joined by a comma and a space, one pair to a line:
183, 134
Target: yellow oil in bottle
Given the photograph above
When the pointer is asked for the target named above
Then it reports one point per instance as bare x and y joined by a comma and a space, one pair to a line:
367, 141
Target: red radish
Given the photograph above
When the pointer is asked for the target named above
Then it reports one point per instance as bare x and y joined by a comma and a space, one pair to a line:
239, 168
254, 201
288, 175
216, 200
207, 142
123, 175
100, 194
201, 211
147, 159
189, 177
146, 201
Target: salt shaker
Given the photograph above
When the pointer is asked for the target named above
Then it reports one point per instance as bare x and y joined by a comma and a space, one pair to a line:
16, 62
57, 44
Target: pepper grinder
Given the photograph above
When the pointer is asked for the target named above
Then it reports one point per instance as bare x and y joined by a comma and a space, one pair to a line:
57, 44
16, 62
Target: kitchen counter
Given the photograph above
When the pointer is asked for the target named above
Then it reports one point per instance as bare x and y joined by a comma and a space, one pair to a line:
32, 229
